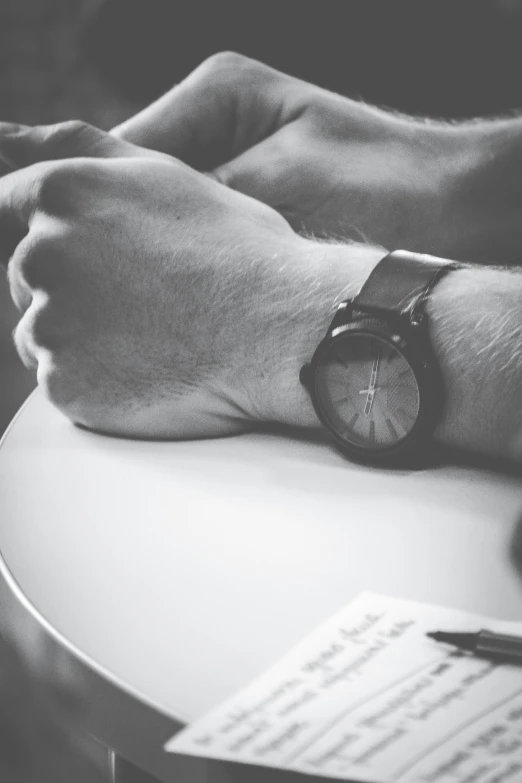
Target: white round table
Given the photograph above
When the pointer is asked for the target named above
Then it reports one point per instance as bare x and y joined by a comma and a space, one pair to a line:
168, 575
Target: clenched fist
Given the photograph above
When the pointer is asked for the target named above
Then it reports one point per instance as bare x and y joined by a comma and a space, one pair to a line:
156, 301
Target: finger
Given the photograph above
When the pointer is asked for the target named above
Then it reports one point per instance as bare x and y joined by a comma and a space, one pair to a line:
19, 200
34, 265
19, 289
38, 330
226, 105
25, 346
21, 145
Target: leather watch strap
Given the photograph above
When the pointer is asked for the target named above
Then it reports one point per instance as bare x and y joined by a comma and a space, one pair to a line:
401, 282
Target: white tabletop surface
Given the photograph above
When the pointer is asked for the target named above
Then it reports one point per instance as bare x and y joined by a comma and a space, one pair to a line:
184, 569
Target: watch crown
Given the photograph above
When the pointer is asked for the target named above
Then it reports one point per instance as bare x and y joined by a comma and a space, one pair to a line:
304, 375
416, 319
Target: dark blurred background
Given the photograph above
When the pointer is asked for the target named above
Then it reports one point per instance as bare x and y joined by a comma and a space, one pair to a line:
450, 59
102, 60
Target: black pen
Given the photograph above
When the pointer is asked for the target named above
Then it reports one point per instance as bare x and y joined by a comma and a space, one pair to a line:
497, 646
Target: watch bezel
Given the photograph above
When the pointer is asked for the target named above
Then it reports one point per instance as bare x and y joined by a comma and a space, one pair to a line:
406, 336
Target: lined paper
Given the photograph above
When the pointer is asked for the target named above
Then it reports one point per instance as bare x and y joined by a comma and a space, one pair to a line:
369, 697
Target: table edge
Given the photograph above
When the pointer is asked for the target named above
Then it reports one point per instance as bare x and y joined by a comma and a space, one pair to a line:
20, 621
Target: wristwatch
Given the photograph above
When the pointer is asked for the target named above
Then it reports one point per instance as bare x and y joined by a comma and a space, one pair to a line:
374, 380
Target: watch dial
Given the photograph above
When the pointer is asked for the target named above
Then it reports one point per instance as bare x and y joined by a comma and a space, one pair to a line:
367, 391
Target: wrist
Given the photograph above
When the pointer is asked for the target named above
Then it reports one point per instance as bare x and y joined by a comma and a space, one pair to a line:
475, 332
320, 276
474, 328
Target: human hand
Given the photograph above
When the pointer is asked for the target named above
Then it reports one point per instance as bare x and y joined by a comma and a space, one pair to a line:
157, 302
329, 165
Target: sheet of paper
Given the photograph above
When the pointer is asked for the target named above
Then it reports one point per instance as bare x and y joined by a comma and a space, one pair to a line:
369, 697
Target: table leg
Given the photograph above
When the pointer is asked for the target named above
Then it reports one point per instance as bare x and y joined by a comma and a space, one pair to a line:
123, 771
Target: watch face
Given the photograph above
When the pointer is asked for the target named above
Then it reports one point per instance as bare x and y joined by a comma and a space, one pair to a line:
367, 391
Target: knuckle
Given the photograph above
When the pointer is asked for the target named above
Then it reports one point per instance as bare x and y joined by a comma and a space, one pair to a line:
18, 288
231, 66
50, 188
44, 330
226, 59
71, 135
38, 261
39, 327
23, 346
58, 184
31, 256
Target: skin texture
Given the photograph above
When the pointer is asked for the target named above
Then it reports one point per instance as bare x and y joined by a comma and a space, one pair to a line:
136, 336
339, 168
155, 300
315, 157
160, 303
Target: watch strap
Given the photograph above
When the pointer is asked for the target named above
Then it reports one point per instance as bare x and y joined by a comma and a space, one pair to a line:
401, 282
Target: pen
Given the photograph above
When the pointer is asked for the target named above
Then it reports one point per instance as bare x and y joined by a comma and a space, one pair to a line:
498, 646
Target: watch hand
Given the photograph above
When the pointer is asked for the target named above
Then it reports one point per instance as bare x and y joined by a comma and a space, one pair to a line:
375, 368
386, 386
372, 385
369, 402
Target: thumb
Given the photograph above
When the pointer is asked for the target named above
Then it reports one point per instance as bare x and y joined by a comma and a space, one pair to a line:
22, 145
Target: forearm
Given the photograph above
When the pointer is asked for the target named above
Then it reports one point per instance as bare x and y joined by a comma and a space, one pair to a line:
477, 192
476, 331
476, 326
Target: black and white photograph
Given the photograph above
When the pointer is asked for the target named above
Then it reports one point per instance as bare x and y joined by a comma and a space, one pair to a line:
260, 391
